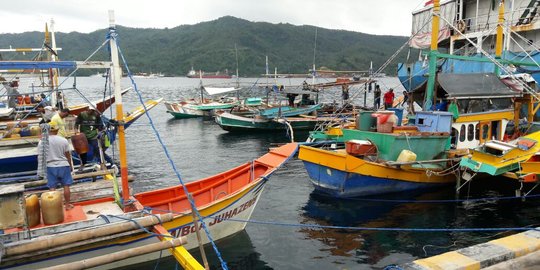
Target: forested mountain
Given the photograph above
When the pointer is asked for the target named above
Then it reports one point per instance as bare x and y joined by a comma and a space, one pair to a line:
209, 46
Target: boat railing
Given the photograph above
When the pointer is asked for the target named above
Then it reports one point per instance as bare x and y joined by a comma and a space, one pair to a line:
487, 22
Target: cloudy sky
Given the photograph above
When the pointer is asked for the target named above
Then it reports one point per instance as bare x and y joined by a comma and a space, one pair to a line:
382, 17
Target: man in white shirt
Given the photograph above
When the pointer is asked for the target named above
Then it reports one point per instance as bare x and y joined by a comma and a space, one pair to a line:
59, 164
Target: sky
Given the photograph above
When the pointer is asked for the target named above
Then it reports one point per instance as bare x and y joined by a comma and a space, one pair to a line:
380, 17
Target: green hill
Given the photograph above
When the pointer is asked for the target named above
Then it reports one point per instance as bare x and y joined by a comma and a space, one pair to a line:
209, 46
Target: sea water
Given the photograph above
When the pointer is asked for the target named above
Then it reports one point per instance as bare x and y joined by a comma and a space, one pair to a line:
200, 148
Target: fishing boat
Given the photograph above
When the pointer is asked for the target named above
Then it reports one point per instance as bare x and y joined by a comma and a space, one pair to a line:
194, 109
370, 163
480, 107
19, 153
108, 232
462, 21
498, 157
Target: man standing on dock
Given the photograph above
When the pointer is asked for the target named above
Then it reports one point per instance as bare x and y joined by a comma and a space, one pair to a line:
389, 99
377, 97
59, 164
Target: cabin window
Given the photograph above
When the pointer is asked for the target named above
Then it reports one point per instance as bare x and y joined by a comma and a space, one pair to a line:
477, 133
485, 132
462, 133
470, 132
453, 136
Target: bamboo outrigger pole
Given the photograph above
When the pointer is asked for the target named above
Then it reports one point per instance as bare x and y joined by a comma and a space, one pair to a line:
117, 77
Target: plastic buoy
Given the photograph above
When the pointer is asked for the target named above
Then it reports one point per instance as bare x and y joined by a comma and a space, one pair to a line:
52, 207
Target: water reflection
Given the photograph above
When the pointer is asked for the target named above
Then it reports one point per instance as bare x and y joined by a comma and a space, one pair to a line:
237, 251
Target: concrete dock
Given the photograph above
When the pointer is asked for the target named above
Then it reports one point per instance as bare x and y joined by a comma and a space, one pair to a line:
518, 251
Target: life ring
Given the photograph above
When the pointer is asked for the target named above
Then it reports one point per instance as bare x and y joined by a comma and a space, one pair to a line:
461, 26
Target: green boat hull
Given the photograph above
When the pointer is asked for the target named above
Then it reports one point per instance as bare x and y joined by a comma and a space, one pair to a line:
246, 124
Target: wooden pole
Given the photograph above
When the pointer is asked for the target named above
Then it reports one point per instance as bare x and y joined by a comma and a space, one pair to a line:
499, 39
117, 77
197, 232
83, 234
120, 255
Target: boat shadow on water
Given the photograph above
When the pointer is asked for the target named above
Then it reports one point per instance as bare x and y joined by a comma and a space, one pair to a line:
237, 250
376, 249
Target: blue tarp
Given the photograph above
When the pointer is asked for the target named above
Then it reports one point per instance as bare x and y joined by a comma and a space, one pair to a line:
37, 64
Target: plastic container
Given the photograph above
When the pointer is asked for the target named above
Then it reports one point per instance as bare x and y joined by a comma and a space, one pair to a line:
365, 121
52, 207
35, 130
399, 113
406, 156
360, 148
33, 212
80, 143
25, 132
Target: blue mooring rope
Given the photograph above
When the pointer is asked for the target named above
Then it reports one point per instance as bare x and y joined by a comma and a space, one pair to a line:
393, 229
158, 136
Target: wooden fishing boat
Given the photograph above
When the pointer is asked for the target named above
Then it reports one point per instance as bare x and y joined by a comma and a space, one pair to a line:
228, 195
376, 167
101, 105
117, 228
20, 154
238, 123
182, 110
497, 157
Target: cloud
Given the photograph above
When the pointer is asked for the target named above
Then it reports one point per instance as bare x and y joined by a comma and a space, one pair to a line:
382, 17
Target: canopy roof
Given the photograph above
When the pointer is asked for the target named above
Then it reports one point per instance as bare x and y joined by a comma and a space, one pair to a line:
477, 85
219, 90
53, 64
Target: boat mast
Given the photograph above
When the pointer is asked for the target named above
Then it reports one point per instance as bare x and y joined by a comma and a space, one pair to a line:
116, 78
201, 88
314, 51
50, 71
428, 101
54, 58
237, 77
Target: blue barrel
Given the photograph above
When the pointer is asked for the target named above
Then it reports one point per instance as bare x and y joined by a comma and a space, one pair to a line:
398, 112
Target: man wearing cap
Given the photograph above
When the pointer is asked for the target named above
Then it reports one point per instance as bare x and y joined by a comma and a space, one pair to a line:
89, 123
59, 164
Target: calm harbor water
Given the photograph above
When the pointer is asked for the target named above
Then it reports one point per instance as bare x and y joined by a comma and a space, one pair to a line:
201, 148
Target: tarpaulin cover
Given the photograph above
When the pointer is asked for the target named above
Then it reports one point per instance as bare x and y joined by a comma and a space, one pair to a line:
37, 64
479, 85
219, 90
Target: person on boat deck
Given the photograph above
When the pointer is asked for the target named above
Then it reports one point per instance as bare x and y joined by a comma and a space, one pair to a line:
59, 163
291, 97
389, 99
305, 86
454, 109
377, 97
58, 120
442, 105
345, 92
89, 123
47, 112
306, 100
12, 93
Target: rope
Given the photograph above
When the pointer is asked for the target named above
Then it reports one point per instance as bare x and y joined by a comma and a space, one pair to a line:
384, 229
165, 150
